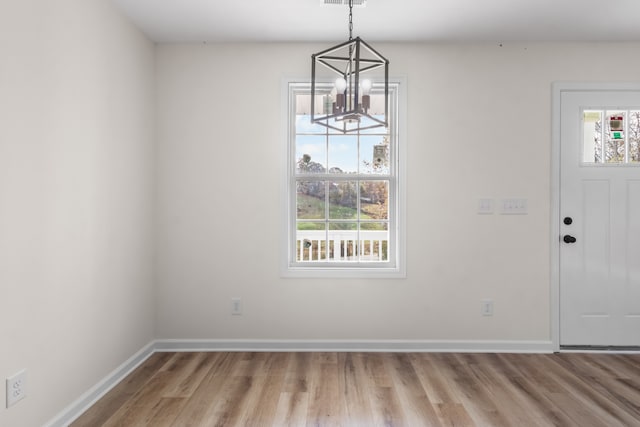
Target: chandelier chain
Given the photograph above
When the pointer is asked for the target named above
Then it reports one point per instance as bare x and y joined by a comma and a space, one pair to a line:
350, 20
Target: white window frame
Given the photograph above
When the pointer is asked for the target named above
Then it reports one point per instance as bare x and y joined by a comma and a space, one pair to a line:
395, 267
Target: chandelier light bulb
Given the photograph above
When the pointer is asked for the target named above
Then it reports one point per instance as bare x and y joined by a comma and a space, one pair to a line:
366, 86
341, 85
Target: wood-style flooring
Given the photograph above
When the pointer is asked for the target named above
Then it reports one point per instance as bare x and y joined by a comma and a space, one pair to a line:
374, 389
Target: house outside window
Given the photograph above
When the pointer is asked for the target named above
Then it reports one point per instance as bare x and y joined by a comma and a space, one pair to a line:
344, 194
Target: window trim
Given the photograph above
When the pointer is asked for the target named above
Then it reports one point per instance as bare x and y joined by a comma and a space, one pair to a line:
290, 269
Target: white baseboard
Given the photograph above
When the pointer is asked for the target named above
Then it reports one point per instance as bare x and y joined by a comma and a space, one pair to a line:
84, 402
478, 346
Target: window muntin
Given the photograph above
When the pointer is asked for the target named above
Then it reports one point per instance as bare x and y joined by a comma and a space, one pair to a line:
343, 192
611, 136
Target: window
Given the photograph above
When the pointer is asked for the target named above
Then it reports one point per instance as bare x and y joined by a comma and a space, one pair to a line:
343, 194
611, 136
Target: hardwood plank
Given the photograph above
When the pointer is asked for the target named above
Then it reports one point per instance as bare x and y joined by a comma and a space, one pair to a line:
590, 383
473, 395
166, 411
437, 386
492, 373
416, 407
201, 406
122, 392
529, 383
375, 369
354, 386
292, 409
263, 396
178, 377
293, 401
297, 375
578, 400
189, 370
612, 380
227, 409
440, 391
453, 415
141, 407
387, 410
326, 406
374, 389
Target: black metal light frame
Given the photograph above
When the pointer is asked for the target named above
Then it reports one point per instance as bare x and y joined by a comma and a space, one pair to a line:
349, 60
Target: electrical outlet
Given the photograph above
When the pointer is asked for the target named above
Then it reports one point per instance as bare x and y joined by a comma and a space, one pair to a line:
487, 307
16, 387
236, 306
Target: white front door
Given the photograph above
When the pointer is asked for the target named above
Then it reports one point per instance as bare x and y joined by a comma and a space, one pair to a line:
599, 266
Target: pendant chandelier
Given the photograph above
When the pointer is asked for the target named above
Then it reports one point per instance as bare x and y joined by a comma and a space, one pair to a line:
350, 86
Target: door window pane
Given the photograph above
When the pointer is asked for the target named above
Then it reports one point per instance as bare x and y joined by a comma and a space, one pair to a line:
592, 136
610, 136
634, 136
614, 147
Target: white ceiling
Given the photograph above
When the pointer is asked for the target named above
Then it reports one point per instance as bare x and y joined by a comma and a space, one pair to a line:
386, 20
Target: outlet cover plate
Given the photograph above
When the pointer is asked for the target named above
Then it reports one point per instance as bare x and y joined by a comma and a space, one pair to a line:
236, 306
487, 307
16, 387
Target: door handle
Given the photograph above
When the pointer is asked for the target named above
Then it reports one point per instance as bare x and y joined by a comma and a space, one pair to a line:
569, 239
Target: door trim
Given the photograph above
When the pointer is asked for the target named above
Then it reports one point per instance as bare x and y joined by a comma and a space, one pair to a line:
557, 88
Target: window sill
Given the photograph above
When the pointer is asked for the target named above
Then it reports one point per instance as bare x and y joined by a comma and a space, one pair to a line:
343, 273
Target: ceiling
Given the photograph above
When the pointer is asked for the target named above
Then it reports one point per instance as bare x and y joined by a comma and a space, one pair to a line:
385, 20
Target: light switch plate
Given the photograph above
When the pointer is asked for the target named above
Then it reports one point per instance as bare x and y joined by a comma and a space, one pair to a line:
485, 206
514, 207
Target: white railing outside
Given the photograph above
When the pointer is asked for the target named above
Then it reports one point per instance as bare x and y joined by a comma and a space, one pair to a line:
343, 245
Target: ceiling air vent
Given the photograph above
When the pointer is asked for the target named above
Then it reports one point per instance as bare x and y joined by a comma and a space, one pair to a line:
360, 3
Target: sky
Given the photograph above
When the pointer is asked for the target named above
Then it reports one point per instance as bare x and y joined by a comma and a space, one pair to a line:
341, 150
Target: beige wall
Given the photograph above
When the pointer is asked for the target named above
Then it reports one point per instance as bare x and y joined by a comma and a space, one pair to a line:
76, 172
479, 119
